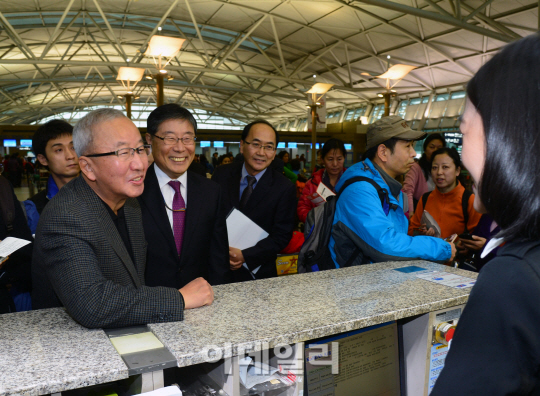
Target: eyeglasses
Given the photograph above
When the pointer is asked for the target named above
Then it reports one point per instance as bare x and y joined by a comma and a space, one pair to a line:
125, 153
171, 141
268, 148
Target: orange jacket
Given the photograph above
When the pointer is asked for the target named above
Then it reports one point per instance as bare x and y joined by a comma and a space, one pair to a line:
447, 211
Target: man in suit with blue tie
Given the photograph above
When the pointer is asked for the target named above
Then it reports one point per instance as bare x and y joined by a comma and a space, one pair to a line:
264, 195
90, 251
183, 213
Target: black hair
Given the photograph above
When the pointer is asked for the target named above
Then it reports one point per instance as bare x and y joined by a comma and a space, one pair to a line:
506, 94
295, 164
333, 144
48, 131
282, 154
451, 152
170, 111
245, 132
372, 152
424, 163
221, 158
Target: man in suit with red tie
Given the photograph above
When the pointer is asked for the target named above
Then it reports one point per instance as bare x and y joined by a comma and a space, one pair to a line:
183, 218
264, 195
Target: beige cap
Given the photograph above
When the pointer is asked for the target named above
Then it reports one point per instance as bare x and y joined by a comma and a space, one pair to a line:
391, 127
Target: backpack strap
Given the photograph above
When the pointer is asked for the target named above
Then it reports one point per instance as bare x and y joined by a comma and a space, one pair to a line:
424, 199
382, 192
7, 205
465, 207
385, 203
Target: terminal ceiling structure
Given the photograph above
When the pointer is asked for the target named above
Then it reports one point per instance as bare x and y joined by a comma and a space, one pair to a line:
244, 59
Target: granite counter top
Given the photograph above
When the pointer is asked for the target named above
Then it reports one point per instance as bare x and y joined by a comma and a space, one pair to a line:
46, 351
264, 313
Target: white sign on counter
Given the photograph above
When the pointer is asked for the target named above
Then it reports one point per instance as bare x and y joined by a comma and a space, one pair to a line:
447, 279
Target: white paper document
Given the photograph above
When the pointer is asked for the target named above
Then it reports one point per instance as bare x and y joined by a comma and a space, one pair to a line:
324, 191
447, 279
243, 232
10, 245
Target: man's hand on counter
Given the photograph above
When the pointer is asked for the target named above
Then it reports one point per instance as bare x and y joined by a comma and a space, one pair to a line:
197, 293
236, 258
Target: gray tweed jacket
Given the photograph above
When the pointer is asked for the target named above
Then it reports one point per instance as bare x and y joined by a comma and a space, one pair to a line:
81, 262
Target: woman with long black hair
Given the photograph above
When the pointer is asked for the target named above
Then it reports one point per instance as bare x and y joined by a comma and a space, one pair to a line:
418, 180
496, 347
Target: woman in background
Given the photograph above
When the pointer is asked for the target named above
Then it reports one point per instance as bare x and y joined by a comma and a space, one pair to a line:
418, 179
287, 170
333, 154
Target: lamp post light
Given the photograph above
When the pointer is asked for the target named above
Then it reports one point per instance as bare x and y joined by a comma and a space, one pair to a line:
317, 91
162, 48
396, 72
127, 76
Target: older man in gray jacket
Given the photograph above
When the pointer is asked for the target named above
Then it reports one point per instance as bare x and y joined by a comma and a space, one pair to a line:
90, 252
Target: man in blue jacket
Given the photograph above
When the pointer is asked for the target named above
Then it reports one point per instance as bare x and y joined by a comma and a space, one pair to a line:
365, 231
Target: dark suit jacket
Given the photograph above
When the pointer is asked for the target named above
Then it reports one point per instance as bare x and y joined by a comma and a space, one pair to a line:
16, 270
80, 261
272, 206
205, 251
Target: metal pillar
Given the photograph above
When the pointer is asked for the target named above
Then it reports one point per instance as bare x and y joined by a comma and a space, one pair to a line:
387, 96
313, 137
160, 97
129, 99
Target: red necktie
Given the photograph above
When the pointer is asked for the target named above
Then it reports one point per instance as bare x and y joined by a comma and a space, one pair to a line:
179, 215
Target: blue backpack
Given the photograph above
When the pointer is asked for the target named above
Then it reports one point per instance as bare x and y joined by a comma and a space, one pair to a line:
315, 253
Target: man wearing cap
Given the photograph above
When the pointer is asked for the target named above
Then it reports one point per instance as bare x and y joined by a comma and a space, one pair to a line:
367, 231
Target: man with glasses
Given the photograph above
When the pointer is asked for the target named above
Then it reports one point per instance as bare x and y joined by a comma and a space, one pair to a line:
264, 195
183, 216
90, 251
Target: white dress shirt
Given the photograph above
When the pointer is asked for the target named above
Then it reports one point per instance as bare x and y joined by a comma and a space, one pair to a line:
168, 192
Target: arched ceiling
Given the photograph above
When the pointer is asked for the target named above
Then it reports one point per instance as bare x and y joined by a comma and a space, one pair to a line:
244, 58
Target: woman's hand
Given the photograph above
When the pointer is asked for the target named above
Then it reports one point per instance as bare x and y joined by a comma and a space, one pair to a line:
426, 231
477, 243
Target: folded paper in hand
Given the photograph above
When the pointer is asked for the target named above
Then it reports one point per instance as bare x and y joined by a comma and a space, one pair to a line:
243, 232
10, 245
324, 191
430, 222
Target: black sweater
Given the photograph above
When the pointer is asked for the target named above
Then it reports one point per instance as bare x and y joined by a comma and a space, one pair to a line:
496, 347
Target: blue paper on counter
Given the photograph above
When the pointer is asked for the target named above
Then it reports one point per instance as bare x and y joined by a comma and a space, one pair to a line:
409, 269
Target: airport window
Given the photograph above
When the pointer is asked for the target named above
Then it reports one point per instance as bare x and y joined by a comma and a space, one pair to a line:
301, 125
458, 95
349, 115
402, 108
360, 112
416, 101
140, 113
442, 97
